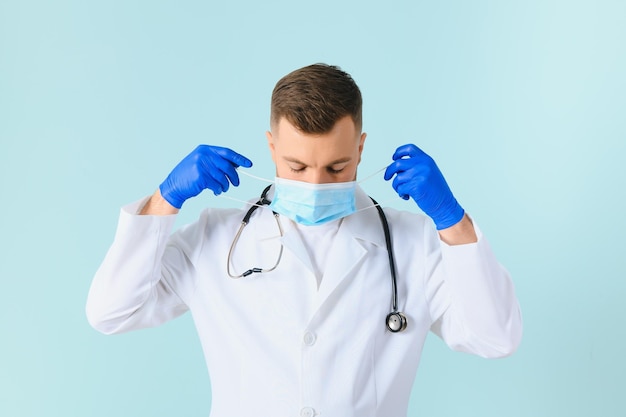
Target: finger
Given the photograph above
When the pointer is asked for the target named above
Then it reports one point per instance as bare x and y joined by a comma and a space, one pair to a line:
409, 150
400, 181
232, 156
413, 189
212, 184
232, 175
395, 167
390, 171
226, 169
401, 165
214, 177
396, 184
411, 183
398, 187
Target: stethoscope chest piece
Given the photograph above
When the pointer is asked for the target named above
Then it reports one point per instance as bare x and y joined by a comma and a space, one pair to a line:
396, 322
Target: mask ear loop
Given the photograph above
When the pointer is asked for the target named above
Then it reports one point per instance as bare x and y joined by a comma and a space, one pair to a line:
247, 174
372, 175
376, 204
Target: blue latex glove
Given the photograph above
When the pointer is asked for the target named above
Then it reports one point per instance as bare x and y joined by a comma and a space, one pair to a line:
207, 166
418, 177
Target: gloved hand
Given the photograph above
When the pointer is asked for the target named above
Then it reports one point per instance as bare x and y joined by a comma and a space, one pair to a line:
417, 176
207, 166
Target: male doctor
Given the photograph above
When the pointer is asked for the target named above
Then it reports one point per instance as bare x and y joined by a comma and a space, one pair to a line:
303, 329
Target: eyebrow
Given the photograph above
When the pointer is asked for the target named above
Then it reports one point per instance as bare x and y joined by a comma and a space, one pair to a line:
335, 162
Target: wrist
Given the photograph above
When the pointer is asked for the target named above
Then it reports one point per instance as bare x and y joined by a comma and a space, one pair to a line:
167, 193
460, 233
157, 205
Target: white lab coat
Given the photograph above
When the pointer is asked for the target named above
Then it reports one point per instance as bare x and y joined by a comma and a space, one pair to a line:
276, 345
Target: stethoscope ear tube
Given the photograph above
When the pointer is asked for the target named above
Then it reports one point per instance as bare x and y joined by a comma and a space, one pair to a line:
246, 219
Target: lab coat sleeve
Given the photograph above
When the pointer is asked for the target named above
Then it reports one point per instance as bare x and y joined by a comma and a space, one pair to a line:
472, 299
130, 290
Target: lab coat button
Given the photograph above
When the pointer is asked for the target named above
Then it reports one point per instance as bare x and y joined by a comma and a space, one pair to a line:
309, 339
307, 412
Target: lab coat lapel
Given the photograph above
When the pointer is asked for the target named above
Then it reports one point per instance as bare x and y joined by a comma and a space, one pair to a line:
344, 255
268, 237
293, 243
349, 248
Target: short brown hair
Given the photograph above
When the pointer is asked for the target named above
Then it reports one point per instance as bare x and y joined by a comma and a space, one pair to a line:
315, 97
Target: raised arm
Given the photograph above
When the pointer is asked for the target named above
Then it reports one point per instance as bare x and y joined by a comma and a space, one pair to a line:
133, 288
473, 303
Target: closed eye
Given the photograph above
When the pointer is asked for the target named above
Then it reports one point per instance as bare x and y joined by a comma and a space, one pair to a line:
296, 169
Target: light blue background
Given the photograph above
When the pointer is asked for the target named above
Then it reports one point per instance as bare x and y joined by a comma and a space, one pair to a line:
521, 103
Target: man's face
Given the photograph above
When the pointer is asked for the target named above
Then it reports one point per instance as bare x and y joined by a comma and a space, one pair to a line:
329, 157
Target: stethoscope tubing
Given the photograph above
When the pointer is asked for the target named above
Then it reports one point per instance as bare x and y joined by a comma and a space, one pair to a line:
392, 266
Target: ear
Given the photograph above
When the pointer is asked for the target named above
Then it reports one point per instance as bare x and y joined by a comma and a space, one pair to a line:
361, 143
270, 144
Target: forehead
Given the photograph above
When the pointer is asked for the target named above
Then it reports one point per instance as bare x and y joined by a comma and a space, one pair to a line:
340, 143
343, 130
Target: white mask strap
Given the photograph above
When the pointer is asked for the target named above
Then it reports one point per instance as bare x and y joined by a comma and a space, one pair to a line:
255, 177
241, 201
373, 205
372, 175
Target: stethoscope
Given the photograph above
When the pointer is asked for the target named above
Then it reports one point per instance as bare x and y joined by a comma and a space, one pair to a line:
395, 320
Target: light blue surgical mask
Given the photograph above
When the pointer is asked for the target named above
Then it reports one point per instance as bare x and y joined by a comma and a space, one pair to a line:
313, 204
